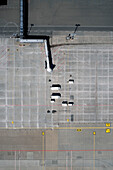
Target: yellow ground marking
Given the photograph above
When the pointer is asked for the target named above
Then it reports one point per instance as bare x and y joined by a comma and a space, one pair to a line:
12, 122
79, 130
67, 120
43, 133
108, 124
93, 152
43, 151
94, 133
108, 130
72, 128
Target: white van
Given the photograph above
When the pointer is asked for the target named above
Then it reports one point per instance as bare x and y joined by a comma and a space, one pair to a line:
71, 81
55, 87
52, 100
70, 103
55, 96
64, 103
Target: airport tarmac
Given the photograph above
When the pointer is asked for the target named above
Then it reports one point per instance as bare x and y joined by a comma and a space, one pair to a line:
76, 137
85, 147
25, 83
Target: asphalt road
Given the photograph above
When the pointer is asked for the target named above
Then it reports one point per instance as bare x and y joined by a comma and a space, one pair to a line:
66, 13
62, 15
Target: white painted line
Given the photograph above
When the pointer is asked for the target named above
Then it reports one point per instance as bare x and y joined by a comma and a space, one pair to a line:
31, 41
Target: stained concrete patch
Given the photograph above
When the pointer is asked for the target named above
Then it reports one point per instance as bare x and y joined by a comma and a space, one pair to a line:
51, 140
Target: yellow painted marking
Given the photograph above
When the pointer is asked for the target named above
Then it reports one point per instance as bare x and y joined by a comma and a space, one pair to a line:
43, 151
94, 152
108, 124
107, 130
94, 133
79, 130
85, 128
43, 133
12, 122
67, 120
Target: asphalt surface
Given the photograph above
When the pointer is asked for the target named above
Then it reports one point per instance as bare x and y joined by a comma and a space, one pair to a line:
64, 14
49, 16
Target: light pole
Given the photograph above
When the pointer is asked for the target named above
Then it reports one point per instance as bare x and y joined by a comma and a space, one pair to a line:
30, 28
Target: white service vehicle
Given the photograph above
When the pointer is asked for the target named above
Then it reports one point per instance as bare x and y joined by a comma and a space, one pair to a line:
72, 35
71, 81
55, 96
55, 87
64, 103
52, 101
70, 103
